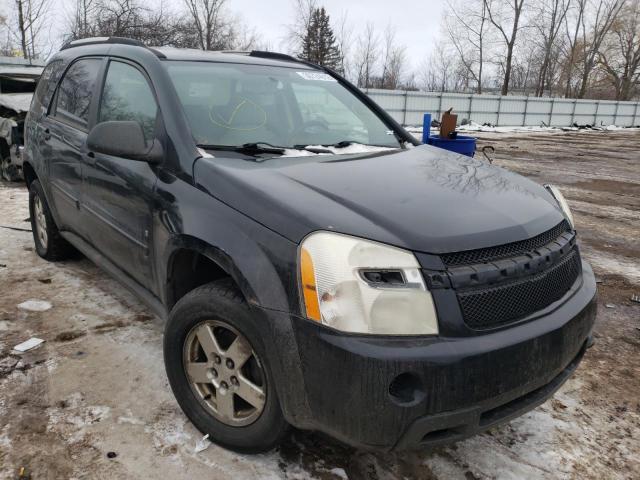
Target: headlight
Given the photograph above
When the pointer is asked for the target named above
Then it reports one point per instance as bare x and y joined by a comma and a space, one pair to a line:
360, 286
555, 191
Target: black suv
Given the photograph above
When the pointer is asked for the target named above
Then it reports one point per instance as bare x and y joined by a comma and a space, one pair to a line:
316, 265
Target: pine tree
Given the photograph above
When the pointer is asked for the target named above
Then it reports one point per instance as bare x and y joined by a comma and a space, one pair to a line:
319, 43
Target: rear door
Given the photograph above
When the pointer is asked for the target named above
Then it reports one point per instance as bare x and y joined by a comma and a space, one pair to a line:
64, 137
118, 191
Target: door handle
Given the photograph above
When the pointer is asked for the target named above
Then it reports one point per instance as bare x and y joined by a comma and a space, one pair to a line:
90, 158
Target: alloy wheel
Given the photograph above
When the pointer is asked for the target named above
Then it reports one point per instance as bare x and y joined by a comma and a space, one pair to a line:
224, 373
40, 221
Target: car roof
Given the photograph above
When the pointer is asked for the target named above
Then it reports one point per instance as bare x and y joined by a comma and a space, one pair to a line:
253, 57
125, 46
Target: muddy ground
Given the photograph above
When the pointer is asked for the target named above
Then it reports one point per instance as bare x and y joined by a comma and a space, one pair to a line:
93, 400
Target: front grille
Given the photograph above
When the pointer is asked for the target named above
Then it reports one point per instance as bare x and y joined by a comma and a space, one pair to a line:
503, 251
484, 308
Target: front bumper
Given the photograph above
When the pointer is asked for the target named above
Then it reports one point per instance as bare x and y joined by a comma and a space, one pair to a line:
450, 388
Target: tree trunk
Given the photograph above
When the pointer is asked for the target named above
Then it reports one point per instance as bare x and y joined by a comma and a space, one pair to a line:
23, 30
583, 84
567, 88
507, 70
479, 89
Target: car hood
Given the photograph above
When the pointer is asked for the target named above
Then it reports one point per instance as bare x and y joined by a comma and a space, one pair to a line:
18, 102
424, 198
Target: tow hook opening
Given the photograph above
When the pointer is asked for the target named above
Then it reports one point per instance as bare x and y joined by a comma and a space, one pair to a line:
407, 389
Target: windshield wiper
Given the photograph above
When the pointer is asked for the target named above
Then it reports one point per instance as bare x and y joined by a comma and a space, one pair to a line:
261, 147
343, 144
313, 148
250, 148
348, 143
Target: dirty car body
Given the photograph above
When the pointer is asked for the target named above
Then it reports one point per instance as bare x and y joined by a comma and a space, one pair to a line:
17, 84
484, 309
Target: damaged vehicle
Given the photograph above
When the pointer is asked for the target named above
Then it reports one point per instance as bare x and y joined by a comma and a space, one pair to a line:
316, 265
18, 81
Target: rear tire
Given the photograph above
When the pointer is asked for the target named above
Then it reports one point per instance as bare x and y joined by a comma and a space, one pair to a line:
50, 245
235, 403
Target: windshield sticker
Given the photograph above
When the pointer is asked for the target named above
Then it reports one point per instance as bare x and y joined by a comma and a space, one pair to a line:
318, 76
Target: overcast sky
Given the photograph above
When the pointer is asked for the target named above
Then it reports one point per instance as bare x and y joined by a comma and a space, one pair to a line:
417, 22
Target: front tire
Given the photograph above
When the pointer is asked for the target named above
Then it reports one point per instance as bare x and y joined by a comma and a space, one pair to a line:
218, 371
50, 245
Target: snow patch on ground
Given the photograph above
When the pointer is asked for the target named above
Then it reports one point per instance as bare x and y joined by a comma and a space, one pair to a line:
339, 472
35, 305
613, 264
82, 417
476, 127
131, 421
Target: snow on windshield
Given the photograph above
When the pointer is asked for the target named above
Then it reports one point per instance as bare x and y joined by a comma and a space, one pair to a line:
348, 150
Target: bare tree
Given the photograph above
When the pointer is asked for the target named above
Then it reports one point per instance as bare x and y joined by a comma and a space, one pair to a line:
344, 36
594, 35
246, 38
505, 16
393, 61
160, 26
81, 21
467, 29
298, 29
210, 24
572, 32
30, 22
6, 45
549, 18
440, 72
620, 56
366, 56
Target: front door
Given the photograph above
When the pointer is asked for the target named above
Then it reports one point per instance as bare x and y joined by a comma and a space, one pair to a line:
119, 192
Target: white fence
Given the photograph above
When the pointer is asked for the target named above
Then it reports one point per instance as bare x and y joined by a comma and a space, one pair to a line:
409, 107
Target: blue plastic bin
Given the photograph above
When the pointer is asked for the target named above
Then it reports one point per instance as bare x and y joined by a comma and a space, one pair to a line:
461, 144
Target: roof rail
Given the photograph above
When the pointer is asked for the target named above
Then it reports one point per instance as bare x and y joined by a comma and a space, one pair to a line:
274, 55
99, 40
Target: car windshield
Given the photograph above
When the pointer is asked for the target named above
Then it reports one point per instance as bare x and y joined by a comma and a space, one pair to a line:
233, 105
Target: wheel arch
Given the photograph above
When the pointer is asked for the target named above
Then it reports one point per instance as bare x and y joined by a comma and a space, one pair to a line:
192, 262
29, 173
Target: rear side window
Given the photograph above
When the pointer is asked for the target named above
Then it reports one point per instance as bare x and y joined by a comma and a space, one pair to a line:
128, 96
76, 90
43, 82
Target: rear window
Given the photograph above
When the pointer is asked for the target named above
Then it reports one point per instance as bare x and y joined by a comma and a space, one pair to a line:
47, 81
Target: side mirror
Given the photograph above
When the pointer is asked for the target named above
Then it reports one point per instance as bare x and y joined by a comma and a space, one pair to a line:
124, 139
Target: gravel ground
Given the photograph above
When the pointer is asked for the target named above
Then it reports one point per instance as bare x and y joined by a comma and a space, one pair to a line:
97, 388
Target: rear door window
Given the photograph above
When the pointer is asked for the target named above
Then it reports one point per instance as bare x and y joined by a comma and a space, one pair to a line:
76, 91
128, 96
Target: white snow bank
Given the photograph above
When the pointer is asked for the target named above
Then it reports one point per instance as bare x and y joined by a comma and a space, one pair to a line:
476, 127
